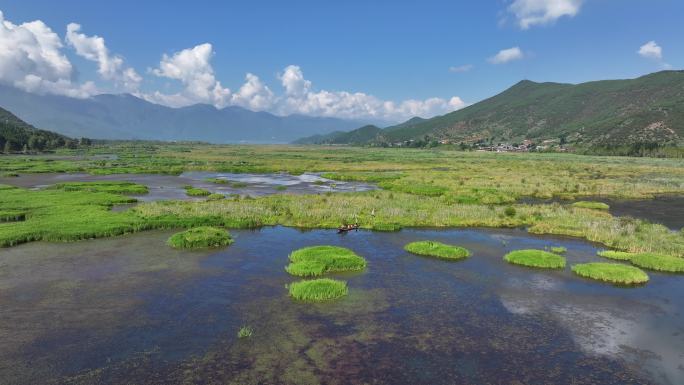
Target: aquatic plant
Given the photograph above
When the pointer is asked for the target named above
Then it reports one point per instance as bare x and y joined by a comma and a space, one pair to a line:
238, 184
658, 262
113, 187
317, 260
591, 205
321, 289
245, 332
558, 249
617, 255
281, 188
215, 197
535, 258
437, 249
217, 180
200, 237
611, 272
196, 191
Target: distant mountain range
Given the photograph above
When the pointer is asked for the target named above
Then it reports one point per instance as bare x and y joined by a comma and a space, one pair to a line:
649, 109
125, 116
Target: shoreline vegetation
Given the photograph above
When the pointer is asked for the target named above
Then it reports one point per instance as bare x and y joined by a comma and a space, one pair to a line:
466, 190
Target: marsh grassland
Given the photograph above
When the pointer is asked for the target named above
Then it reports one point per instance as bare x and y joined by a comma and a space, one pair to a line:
291, 301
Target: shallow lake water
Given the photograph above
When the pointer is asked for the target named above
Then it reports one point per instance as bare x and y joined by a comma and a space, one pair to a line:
129, 310
163, 187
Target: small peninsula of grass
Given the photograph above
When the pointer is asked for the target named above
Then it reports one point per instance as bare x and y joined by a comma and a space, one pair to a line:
658, 262
196, 191
535, 258
318, 260
321, 289
611, 272
112, 187
200, 237
591, 205
437, 249
617, 255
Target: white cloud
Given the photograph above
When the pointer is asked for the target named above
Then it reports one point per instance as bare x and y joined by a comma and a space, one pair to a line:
253, 95
300, 98
651, 50
461, 68
507, 55
193, 69
31, 59
529, 13
110, 67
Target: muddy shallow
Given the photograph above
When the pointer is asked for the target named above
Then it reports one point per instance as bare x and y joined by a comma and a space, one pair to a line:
131, 310
171, 187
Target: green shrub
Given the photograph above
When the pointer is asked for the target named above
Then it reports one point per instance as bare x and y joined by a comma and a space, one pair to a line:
617, 255
321, 289
437, 249
317, 260
591, 205
611, 272
509, 211
535, 258
658, 262
200, 237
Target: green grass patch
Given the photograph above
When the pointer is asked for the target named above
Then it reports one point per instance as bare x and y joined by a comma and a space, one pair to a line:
558, 250
617, 255
321, 289
12, 216
535, 258
215, 197
196, 191
112, 187
591, 205
238, 185
658, 262
611, 272
318, 260
245, 332
281, 188
437, 249
217, 180
200, 237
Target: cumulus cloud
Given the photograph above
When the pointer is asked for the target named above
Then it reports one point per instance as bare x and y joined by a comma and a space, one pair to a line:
254, 94
461, 68
300, 98
651, 50
192, 67
507, 55
529, 13
31, 59
110, 67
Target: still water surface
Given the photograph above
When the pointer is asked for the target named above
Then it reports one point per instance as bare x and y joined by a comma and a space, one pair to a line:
131, 310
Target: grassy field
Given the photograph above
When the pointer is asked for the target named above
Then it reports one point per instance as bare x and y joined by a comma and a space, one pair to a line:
611, 272
420, 188
535, 258
317, 260
200, 237
321, 289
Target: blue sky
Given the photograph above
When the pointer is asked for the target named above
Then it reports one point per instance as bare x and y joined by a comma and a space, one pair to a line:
346, 58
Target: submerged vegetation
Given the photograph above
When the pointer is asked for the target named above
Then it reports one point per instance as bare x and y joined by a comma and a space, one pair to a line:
318, 260
535, 258
591, 205
245, 332
611, 272
558, 250
200, 237
321, 289
437, 249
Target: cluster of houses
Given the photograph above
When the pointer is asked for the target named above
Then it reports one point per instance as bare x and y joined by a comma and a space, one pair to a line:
525, 146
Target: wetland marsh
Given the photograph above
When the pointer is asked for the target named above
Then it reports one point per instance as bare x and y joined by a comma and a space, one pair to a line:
127, 308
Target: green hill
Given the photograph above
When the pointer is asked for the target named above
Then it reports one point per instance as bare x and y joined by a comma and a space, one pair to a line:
359, 136
17, 135
649, 109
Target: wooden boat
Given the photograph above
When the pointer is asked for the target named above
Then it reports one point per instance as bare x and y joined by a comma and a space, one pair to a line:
346, 228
